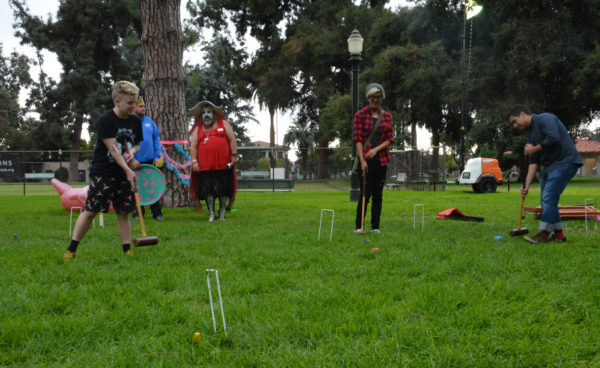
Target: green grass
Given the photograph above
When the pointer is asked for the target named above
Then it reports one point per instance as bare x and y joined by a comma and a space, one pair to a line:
448, 296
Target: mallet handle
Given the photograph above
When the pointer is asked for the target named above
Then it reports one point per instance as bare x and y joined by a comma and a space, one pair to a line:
526, 169
139, 209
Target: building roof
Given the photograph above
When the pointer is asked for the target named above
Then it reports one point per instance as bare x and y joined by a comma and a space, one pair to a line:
266, 144
587, 146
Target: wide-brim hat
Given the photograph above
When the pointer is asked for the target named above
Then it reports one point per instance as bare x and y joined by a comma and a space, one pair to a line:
195, 111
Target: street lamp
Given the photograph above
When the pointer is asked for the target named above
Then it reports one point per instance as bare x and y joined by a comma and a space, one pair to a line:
470, 9
355, 46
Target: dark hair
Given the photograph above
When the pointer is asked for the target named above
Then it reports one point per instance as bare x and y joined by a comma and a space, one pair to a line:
516, 111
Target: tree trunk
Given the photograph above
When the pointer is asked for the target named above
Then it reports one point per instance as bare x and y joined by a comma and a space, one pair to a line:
305, 164
272, 128
435, 156
323, 167
74, 155
164, 83
413, 135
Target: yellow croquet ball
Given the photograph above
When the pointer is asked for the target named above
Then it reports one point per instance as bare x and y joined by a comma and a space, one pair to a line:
197, 337
161, 163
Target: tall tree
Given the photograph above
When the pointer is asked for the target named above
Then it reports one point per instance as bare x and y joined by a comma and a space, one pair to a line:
220, 79
273, 82
165, 81
534, 53
86, 38
302, 134
14, 75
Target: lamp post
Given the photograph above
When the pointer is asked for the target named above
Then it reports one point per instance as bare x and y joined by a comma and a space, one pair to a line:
355, 46
470, 9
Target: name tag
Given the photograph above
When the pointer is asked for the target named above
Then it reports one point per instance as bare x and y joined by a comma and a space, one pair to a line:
220, 129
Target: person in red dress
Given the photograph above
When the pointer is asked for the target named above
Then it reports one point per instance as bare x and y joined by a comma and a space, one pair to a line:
214, 154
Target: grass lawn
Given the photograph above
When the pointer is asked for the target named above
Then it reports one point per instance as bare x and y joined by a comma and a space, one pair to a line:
447, 296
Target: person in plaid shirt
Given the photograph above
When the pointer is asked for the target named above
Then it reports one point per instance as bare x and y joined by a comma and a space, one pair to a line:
375, 156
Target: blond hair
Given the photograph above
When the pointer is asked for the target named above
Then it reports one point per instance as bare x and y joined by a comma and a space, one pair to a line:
124, 88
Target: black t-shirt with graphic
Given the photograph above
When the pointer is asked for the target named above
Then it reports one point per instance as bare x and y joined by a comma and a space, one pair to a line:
126, 131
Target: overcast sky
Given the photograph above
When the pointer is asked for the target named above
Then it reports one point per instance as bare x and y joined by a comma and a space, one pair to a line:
53, 68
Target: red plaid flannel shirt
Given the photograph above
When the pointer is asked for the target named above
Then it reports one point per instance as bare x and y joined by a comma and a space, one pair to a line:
362, 126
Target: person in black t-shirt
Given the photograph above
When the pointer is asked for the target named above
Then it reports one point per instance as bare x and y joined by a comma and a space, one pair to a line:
111, 177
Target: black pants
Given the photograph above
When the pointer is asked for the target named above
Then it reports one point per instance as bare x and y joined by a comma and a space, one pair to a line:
375, 182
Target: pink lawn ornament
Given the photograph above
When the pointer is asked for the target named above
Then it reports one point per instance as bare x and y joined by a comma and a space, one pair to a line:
71, 197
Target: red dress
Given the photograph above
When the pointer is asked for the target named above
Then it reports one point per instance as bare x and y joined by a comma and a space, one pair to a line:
214, 179
214, 152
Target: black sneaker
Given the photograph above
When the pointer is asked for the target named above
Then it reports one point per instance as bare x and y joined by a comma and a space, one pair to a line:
561, 240
135, 217
539, 238
159, 218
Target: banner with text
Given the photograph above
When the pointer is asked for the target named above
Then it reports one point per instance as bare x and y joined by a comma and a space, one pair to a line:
10, 166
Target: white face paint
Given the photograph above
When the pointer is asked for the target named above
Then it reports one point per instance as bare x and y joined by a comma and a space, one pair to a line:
208, 116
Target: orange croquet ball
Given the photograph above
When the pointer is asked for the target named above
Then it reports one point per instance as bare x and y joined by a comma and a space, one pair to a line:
374, 250
197, 337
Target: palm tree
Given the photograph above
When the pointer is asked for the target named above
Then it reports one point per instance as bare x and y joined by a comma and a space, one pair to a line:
301, 133
273, 82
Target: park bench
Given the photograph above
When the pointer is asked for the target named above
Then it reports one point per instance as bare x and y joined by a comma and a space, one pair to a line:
260, 181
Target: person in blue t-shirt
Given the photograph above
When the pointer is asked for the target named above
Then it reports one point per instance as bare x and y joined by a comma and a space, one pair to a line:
549, 146
150, 152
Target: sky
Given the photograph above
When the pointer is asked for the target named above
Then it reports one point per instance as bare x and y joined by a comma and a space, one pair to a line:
42, 8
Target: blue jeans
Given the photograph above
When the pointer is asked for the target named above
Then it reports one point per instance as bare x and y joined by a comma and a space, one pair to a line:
552, 184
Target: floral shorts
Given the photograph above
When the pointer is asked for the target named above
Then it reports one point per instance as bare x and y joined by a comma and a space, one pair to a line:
104, 190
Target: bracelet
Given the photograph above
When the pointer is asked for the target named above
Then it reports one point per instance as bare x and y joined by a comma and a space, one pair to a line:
234, 154
194, 161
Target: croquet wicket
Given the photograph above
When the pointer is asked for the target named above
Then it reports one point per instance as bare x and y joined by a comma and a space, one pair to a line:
321, 221
422, 216
595, 216
212, 310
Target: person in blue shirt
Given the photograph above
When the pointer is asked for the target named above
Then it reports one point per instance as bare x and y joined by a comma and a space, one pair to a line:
550, 146
150, 152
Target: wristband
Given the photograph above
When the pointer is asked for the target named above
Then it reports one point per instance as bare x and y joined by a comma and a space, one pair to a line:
194, 161
234, 154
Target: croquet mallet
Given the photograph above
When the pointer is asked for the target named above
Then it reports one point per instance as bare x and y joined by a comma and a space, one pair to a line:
522, 230
144, 240
362, 219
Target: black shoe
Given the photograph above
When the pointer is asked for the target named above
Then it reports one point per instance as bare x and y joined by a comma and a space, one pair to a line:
561, 240
135, 217
159, 218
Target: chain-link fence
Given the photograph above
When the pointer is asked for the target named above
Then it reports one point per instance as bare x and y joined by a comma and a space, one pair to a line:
410, 169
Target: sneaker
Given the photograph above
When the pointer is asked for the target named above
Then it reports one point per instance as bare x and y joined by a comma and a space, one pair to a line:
128, 252
211, 218
375, 231
135, 217
357, 231
68, 256
159, 218
539, 238
561, 240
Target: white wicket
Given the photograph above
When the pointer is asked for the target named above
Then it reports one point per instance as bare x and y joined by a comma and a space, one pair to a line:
212, 310
321, 221
422, 216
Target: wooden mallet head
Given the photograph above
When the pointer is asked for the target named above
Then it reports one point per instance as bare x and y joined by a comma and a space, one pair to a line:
145, 241
519, 231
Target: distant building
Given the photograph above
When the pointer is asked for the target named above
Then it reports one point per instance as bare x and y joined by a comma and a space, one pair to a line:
590, 153
280, 151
